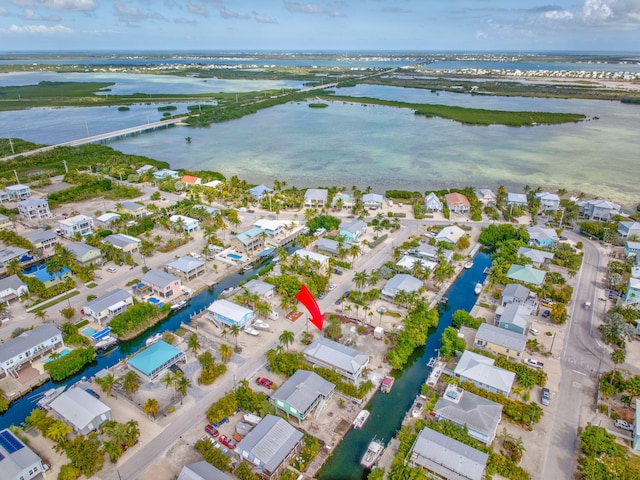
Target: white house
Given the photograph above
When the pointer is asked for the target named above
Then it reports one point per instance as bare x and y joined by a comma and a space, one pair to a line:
28, 346
80, 410
548, 201
372, 201
18, 192
17, 460
347, 361
34, 209
79, 224
316, 197
402, 282
104, 308
187, 224
11, 288
450, 234
224, 313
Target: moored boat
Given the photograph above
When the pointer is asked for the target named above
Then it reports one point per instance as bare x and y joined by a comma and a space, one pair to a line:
468, 265
181, 304
373, 453
153, 339
387, 384
361, 418
49, 396
478, 289
106, 342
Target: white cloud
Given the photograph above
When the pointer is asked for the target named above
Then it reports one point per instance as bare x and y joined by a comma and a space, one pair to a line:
77, 5
34, 16
226, 13
482, 35
612, 13
4, 12
133, 14
311, 9
197, 9
185, 21
263, 18
558, 15
37, 30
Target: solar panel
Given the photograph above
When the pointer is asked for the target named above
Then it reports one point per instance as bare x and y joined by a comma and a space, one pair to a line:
9, 442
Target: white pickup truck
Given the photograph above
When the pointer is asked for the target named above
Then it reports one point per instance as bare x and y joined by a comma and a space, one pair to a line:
533, 363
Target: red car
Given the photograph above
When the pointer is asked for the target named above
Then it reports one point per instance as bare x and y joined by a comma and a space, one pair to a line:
227, 442
211, 430
265, 382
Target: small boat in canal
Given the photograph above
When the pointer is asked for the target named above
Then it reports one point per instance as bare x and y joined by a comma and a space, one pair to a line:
387, 384
361, 418
49, 396
478, 289
153, 339
373, 453
468, 265
105, 343
180, 305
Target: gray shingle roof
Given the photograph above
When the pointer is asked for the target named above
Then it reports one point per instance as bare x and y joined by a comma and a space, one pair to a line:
185, 264
79, 249
107, 300
501, 336
120, 240
158, 278
334, 353
40, 236
202, 471
27, 340
13, 282
302, 390
258, 287
480, 369
476, 412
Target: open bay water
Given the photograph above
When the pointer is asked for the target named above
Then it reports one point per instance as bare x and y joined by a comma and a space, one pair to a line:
388, 410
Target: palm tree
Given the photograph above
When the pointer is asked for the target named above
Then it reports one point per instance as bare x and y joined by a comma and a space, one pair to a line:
14, 267
132, 433
151, 407
354, 251
168, 379
618, 356
360, 279
181, 384
58, 431
107, 383
194, 343
235, 331
130, 383
286, 338
225, 352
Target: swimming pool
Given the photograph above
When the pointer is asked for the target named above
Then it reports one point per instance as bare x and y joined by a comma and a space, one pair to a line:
155, 301
89, 331
234, 255
62, 354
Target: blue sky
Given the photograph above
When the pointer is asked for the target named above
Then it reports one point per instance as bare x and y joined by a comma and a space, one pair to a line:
422, 25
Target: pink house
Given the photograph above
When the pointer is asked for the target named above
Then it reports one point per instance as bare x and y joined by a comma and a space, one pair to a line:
162, 284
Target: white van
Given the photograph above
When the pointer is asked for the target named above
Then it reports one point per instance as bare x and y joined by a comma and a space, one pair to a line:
533, 331
274, 316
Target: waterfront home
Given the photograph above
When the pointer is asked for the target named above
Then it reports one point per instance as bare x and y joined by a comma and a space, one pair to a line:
153, 361
263, 290
328, 247
342, 201
187, 268
207, 208
105, 220
538, 257
260, 191
18, 192
5, 222
84, 253
202, 470
602, 210
249, 241
480, 416
352, 230
30, 345
270, 446
500, 341
165, 173
184, 223
272, 228
301, 393
457, 203
372, 201
316, 197
517, 293
34, 209
322, 261
486, 196
446, 457
43, 241
402, 282
80, 410
631, 249
145, 169
432, 203
513, 317
407, 262
4, 196
135, 209
213, 184
348, 362
526, 274
224, 313
190, 180
542, 237
11, 288
629, 230
17, 460
482, 372
548, 201
124, 243
102, 309
7, 254
162, 284
632, 297
517, 199
433, 253
77, 225
450, 234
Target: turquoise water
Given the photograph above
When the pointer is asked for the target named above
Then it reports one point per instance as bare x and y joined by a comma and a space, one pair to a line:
62, 354
88, 331
233, 255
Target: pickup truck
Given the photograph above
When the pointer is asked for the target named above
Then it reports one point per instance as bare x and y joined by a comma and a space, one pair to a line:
533, 363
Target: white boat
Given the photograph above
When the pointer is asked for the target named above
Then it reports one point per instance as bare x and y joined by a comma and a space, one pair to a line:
417, 408
226, 291
153, 339
387, 384
49, 396
478, 289
246, 267
106, 342
361, 418
179, 305
252, 331
373, 453
468, 265
260, 325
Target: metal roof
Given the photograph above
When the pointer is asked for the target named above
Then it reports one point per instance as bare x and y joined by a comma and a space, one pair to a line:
11, 283
229, 310
501, 336
107, 300
27, 340
13, 463
78, 408
158, 278
479, 368
476, 412
202, 471
302, 390
185, 264
154, 356
334, 353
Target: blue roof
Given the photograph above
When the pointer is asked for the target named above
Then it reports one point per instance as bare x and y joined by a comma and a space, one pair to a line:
260, 190
153, 357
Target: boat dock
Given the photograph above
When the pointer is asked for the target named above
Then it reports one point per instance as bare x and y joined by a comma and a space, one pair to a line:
438, 369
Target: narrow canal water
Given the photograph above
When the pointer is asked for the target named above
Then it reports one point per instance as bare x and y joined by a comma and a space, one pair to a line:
388, 410
21, 408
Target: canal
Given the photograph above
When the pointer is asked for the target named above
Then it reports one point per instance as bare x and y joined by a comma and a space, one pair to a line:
388, 410
21, 408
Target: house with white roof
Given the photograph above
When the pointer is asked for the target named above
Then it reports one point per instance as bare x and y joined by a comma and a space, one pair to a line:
486, 196
482, 372
342, 200
145, 169
264, 290
500, 341
450, 234
629, 230
433, 253
202, 470
166, 173
11, 288
102, 309
29, 346
514, 317
407, 262
432, 203
107, 219
17, 460
34, 209
187, 268
18, 192
224, 313
602, 210
76, 225
80, 410
402, 282
347, 361
352, 230
124, 243
548, 201
316, 197
517, 199
184, 223
301, 394
272, 228
372, 201
321, 260
4, 196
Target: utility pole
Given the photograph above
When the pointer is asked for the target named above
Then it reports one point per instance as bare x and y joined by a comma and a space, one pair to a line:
66, 169
16, 175
11, 145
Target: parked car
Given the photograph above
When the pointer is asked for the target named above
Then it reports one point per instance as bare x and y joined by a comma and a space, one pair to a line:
321, 295
545, 396
623, 425
331, 286
337, 272
227, 442
265, 382
92, 393
533, 363
533, 331
221, 422
338, 301
546, 314
211, 430
111, 270
346, 294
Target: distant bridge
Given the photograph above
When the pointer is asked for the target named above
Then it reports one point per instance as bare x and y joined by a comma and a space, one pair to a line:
105, 137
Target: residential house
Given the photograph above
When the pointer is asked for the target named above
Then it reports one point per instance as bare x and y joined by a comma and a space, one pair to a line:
249, 241
516, 293
7, 254
347, 361
187, 268
632, 297
224, 313
212, 184
321, 260
352, 230
432, 203
17, 460
184, 223
11, 288
526, 274
105, 221
301, 393
152, 362
145, 169
514, 317
43, 241
446, 457
102, 309
542, 237
272, 228
28, 346
602, 210
342, 201
212, 211
124, 243
435, 254
548, 201
77, 225
450, 234
372, 201
18, 192
202, 470
486, 196
270, 446
479, 415
80, 410
135, 209
316, 197
162, 284
84, 253
263, 290
517, 199
5, 222
402, 282
482, 372
4, 196
457, 203
407, 262
327, 246
190, 180
538, 257
629, 230
260, 191
500, 341
631, 248
34, 209
166, 173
